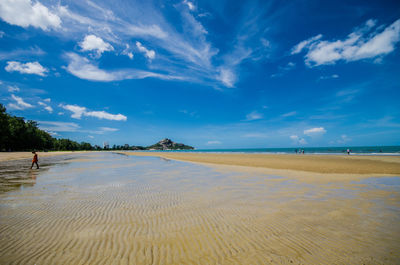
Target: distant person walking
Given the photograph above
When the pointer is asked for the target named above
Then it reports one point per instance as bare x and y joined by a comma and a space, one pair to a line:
35, 160
348, 151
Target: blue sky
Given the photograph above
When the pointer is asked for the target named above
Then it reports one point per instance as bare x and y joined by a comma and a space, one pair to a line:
212, 74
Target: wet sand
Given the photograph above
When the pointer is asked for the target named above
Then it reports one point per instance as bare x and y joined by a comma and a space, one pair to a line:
104, 208
7, 156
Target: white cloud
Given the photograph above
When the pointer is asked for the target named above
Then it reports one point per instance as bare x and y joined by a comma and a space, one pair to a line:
315, 131
266, 43
103, 130
213, 142
78, 112
108, 129
360, 44
347, 95
82, 68
90, 136
254, 115
255, 135
289, 114
26, 68
19, 104
297, 140
150, 54
284, 69
47, 99
2, 34
302, 141
13, 89
105, 115
49, 109
324, 77
189, 4
227, 77
127, 51
24, 13
94, 43
305, 43
58, 126
343, 139
21, 53
46, 107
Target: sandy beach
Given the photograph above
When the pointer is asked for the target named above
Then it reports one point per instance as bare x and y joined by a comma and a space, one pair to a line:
107, 208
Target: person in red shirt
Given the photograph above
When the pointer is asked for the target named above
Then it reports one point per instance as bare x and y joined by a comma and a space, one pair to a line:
35, 160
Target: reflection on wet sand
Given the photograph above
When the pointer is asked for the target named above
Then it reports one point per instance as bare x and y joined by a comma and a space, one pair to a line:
113, 209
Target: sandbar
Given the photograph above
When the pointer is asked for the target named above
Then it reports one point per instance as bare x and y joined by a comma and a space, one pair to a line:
307, 167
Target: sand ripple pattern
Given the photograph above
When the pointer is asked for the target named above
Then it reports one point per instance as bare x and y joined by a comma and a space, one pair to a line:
118, 210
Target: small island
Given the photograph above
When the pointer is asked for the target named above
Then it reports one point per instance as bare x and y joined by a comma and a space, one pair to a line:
168, 144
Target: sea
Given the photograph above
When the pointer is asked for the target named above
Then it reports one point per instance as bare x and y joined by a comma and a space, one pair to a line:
354, 150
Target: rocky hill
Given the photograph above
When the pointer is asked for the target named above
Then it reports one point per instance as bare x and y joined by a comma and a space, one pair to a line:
168, 144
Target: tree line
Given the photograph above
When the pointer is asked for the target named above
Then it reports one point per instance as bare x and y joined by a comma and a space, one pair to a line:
16, 134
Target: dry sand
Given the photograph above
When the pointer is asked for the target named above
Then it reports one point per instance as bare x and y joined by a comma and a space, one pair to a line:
124, 210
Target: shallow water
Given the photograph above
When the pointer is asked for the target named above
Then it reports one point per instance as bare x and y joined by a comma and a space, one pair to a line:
107, 208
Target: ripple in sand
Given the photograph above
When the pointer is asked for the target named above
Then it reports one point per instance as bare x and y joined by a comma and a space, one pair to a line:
123, 210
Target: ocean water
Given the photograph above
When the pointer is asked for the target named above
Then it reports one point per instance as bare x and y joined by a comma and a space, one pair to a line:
355, 150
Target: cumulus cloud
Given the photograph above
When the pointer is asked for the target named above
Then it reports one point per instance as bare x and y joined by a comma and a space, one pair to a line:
24, 13
363, 43
78, 112
315, 131
254, 115
26, 68
82, 68
19, 104
150, 54
94, 43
